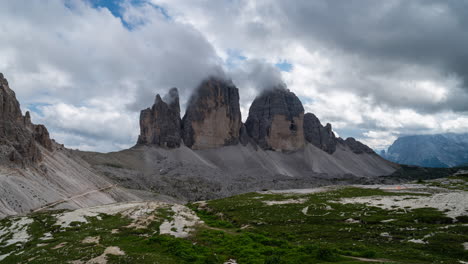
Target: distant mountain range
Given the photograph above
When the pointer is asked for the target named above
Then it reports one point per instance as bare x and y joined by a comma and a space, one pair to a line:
439, 150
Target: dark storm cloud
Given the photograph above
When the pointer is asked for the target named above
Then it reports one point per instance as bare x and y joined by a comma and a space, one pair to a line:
388, 36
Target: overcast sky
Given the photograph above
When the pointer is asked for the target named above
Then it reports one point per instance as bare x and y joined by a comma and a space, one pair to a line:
373, 69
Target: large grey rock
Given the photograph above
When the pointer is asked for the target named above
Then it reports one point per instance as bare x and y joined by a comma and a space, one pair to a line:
18, 136
213, 117
318, 135
161, 124
275, 120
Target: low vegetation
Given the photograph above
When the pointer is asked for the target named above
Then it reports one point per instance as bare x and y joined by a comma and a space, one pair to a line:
263, 227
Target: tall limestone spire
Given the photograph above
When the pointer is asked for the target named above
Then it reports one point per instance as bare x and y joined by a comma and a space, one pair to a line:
213, 117
160, 125
276, 120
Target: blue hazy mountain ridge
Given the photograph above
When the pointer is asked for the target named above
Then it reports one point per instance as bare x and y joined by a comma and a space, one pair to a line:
438, 150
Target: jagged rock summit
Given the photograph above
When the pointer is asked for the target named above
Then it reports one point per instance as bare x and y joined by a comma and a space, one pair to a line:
36, 172
320, 136
276, 119
213, 117
357, 147
18, 136
161, 125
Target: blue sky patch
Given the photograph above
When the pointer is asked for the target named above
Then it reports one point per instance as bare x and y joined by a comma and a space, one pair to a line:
117, 9
36, 107
284, 66
234, 58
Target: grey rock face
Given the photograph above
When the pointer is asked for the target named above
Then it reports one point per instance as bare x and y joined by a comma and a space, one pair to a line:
318, 135
439, 150
213, 117
18, 136
9, 106
161, 124
276, 119
41, 135
357, 147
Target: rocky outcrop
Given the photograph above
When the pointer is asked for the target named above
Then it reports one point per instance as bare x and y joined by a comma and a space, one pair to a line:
358, 147
213, 117
161, 125
318, 135
276, 120
18, 136
9, 106
41, 135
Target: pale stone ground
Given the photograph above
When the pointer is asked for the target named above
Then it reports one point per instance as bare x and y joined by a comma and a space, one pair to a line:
18, 229
455, 202
182, 223
290, 201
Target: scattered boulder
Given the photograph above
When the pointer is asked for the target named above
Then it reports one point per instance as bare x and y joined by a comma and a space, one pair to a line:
161, 124
213, 117
276, 119
318, 135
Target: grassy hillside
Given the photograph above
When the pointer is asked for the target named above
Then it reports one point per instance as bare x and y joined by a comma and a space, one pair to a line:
320, 226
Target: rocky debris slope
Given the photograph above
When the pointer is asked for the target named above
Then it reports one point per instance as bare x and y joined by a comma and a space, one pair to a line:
161, 124
18, 136
276, 120
37, 173
190, 174
213, 117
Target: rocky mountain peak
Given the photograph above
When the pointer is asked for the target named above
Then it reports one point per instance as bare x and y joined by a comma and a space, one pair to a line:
161, 125
276, 119
18, 136
318, 135
213, 117
172, 98
9, 106
358, 147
